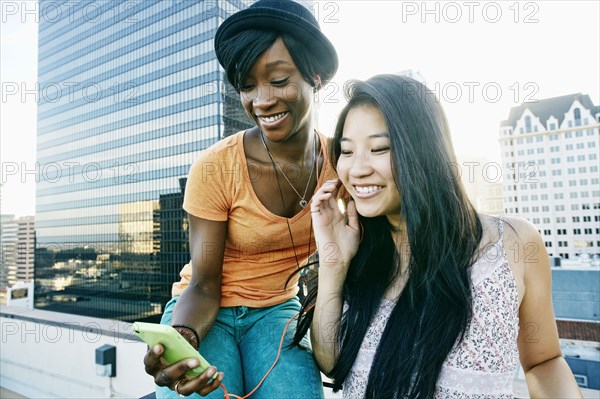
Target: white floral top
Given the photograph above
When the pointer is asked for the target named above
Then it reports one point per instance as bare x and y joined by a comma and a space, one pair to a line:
483, 363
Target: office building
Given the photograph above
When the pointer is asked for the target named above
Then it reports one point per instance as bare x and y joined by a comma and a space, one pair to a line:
550, 155
25, 250
17, 238
130, 92
8, 239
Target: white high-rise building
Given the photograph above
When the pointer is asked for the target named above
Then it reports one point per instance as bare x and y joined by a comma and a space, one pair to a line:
8, 239
550, 156
8, 253
17, 252
25, 255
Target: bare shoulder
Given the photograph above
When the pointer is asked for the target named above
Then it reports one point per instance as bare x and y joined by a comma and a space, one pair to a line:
519, 228
523, 246
490, 229
522, 233
526, 247
516, 229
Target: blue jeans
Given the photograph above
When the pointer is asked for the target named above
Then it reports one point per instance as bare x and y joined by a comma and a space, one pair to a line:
243, 343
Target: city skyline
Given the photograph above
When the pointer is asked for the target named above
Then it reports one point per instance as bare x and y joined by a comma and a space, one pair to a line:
480, 58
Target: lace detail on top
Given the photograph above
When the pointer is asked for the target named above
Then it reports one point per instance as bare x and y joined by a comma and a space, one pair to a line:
483, 363
355, 384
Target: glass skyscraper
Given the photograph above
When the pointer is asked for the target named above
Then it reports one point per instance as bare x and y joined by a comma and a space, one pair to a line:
129, 93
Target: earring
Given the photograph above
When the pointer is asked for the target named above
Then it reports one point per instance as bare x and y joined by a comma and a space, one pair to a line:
316, 89
317, 82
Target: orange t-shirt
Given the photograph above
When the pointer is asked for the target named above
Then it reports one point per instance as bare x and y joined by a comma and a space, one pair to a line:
259, 255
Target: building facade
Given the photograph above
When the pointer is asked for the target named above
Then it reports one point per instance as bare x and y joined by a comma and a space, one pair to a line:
481, 180
8, 259
550, 156
17, 238
129, 93
576, 301
492, 202
24, 269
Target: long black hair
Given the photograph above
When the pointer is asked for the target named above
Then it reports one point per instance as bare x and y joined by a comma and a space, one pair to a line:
443, 232
241, 51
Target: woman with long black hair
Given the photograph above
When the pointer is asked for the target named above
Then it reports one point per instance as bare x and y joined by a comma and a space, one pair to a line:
419, 296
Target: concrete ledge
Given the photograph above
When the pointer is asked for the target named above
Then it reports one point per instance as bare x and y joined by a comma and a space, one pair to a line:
52, 355
91, 325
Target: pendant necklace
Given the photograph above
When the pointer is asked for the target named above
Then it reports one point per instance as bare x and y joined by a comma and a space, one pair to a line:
303, 201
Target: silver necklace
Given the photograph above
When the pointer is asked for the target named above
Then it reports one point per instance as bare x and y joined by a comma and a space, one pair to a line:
303, 201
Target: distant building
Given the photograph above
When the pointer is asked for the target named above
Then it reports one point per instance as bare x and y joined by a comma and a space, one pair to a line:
481, 179
492, 201
8, 259
20, 295
576, 300
550, 155
17, 250
414, 74
576, 293
583, 357
130, 96
550, 158
25, 256
174, 234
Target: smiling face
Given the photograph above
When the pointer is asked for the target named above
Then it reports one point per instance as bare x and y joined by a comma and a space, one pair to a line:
365, 166
276, 96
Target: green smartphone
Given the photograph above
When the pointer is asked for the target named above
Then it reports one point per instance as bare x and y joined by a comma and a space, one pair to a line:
176, 347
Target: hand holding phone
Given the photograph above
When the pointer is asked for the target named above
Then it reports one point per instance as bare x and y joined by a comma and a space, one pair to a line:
176, 346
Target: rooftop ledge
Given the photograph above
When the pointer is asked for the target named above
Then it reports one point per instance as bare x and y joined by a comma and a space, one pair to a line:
114, 328
67, 369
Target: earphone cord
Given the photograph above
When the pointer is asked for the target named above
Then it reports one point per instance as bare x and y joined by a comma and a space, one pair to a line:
233, 396
228, 395
283, 201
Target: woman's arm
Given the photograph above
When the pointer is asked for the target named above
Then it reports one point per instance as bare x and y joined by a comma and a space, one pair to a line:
328, 312
337, 241
547, 373
198, 305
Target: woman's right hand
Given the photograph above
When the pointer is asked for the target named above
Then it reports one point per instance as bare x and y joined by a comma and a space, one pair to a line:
173, 376
337, 235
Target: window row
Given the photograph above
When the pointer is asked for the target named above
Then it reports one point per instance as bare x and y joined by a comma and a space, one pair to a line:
162, 101
545, 220
564, 244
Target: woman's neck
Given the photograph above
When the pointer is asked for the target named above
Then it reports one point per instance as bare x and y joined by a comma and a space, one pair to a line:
399, 233
400, 238
298, 148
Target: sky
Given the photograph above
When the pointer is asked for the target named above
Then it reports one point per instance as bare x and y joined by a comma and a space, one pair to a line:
479, 57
